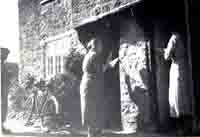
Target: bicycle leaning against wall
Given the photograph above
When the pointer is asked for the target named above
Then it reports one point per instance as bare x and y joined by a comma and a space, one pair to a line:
42, 105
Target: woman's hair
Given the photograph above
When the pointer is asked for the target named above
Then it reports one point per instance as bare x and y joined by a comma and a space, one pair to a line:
177, 28
89, 45
94, 42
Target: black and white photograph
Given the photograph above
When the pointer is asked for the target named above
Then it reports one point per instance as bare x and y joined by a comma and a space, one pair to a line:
98, 68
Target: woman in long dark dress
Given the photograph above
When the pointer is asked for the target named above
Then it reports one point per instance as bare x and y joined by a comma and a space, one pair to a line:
91, 89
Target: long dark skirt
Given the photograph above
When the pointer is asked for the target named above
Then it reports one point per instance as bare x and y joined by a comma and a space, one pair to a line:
92, 102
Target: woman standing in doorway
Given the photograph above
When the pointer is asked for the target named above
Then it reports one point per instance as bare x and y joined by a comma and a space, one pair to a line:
91, 89
179, 93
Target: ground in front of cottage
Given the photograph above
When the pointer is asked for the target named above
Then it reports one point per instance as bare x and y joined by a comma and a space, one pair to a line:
18, 128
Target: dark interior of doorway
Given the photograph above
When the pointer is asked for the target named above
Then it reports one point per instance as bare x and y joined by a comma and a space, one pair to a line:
194, 21
167, 15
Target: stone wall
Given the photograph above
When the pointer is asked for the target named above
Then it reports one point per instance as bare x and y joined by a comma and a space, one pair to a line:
29, 36
55, 18
134, 75
83, 10
37, 23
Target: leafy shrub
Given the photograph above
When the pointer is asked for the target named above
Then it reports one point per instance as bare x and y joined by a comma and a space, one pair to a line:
29, 81
64, 85
73, 62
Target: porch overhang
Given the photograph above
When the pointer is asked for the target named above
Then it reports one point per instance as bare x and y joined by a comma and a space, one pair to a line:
95, 25
92, 19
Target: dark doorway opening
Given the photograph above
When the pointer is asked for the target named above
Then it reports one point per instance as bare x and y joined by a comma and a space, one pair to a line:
166, 17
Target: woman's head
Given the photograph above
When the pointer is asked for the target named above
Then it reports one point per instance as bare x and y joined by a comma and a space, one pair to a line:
95, 44
176, 28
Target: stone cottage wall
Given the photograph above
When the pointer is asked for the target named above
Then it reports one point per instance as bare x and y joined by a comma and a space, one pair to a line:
29, 37
38, 23
134, 75
55, 18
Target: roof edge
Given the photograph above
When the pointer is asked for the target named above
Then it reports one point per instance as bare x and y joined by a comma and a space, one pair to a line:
95, 18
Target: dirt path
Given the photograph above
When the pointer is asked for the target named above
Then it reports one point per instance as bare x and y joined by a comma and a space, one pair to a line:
18, 129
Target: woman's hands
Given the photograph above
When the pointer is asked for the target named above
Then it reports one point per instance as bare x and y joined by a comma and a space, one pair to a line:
110, 64
113, 62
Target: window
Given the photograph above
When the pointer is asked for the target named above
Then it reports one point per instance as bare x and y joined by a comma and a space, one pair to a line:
56, 64
48, 66
59, 64
64, 64
51, 64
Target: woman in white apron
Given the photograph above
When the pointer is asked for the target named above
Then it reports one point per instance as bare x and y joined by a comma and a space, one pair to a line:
180, 99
